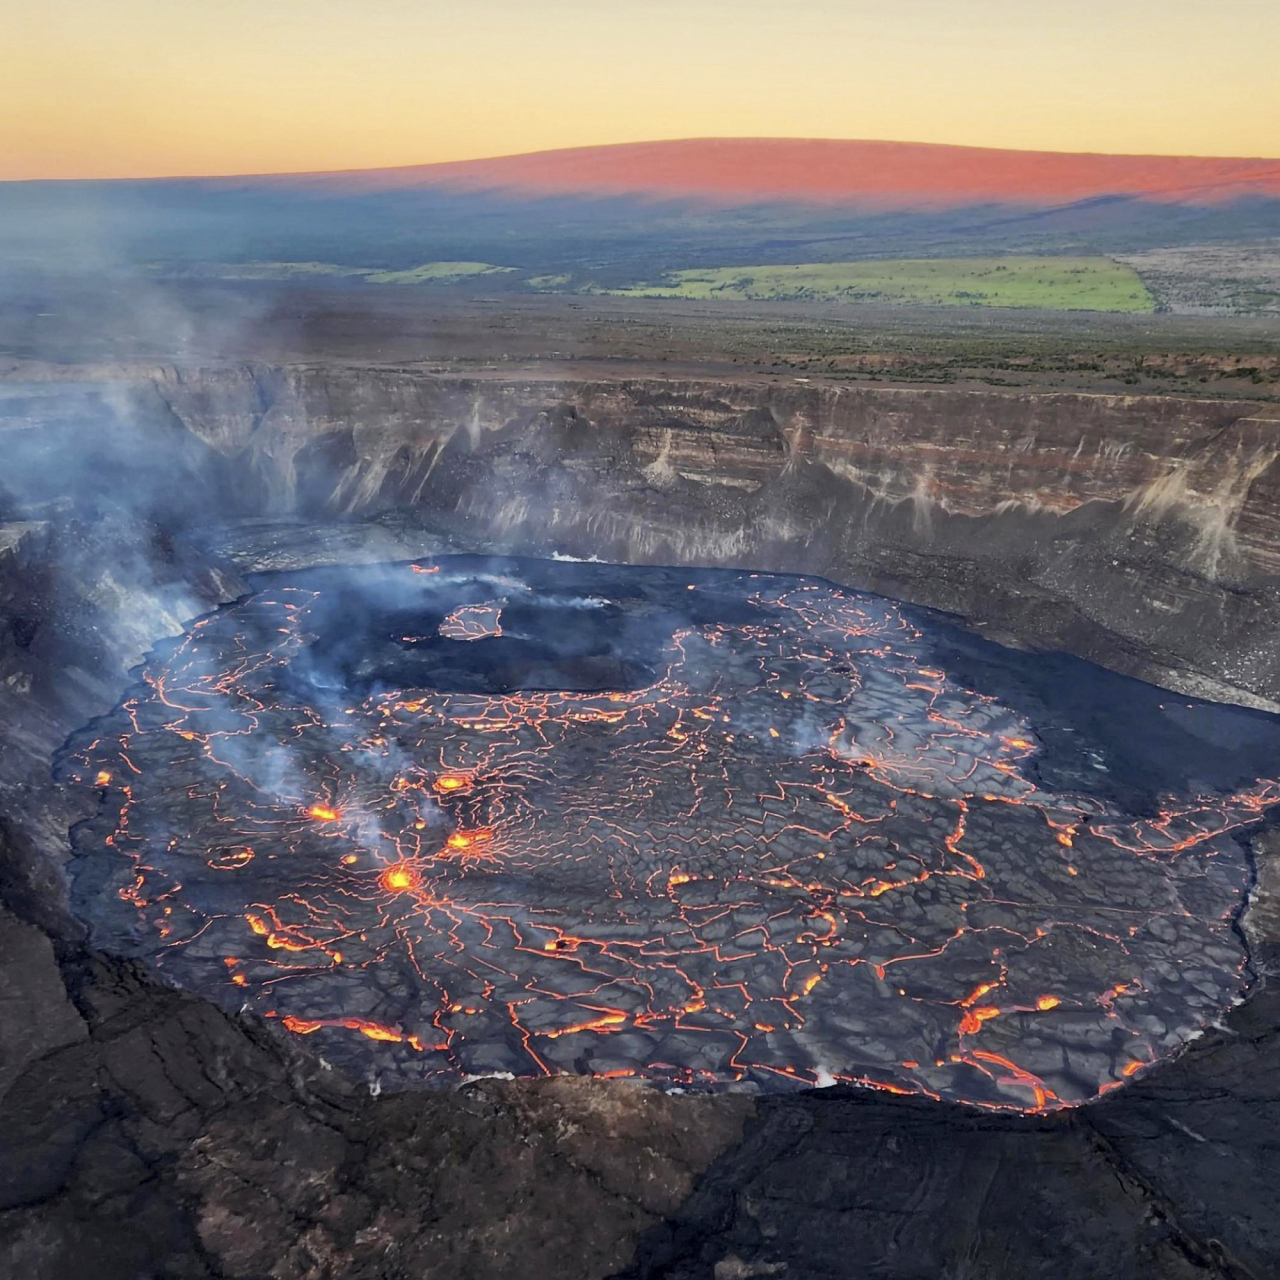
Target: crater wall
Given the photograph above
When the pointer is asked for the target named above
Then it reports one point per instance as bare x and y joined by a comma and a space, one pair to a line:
1142, 533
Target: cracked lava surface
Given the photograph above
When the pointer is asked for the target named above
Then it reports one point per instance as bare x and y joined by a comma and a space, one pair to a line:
706, 828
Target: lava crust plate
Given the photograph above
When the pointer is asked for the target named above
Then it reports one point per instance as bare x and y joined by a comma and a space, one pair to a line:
713, 829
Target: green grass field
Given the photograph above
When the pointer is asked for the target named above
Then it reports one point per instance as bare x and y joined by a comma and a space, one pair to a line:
1060, 284
437, 273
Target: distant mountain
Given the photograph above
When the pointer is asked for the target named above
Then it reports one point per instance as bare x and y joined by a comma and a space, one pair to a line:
863, 175
613, 217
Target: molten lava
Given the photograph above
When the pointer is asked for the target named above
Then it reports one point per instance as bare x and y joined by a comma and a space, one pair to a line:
801, 851
400, 878
449, 782
469, 839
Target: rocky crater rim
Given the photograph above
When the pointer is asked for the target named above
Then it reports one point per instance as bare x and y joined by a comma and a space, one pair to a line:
1139, 532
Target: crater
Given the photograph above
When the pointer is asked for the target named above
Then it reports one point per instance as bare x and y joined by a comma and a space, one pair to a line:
715, 829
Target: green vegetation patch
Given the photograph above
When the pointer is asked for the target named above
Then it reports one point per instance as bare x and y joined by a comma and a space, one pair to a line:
437, 273
1061, 284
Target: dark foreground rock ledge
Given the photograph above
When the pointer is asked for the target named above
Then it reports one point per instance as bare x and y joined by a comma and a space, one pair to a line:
167, 1139
162, 1138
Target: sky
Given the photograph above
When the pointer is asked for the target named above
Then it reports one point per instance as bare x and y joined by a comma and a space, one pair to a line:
132, 88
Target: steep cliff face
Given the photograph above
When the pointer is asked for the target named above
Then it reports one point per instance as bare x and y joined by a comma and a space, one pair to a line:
1140, 532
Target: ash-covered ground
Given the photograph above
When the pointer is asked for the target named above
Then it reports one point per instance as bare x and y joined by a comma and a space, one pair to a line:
710, 828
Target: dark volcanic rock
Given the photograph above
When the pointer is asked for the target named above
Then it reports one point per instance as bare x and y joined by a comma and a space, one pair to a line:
847, 1185
35, 1014
1204, 1137
177, 1142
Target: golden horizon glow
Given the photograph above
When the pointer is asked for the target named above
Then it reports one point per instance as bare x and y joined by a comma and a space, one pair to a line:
141, 88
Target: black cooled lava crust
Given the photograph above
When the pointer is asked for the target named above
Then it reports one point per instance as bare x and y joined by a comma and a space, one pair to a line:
468, 816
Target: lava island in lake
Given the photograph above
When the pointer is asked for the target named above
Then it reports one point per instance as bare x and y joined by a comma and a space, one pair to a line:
710, 829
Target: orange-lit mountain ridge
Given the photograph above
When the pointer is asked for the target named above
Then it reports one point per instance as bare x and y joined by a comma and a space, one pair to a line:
871, 175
